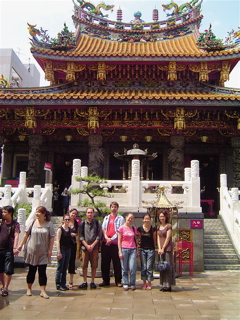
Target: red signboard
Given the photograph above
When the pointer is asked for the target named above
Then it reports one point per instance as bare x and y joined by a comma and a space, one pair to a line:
196, 224
48, 166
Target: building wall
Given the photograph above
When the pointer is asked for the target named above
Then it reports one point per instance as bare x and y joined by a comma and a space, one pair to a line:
25, 75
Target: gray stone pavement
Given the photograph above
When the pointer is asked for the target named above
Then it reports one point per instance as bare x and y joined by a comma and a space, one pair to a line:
209, 295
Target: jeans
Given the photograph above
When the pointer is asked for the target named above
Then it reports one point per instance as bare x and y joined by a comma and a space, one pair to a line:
129, 263
62, 266
147, 263
6, 262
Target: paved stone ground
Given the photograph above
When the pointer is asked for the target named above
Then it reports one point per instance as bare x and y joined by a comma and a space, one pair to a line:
209, 295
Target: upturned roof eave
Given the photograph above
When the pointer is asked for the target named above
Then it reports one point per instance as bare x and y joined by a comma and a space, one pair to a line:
211, 56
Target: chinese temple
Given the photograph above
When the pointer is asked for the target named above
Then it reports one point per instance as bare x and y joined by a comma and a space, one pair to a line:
158, 84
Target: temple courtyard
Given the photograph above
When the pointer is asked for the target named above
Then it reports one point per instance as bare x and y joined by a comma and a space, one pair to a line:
208, 295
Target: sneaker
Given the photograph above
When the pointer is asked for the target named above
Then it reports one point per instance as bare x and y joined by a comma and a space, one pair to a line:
133, 287
58, 286
65, 287
125, 287
84, 285
104, 284
92, 285
62, 289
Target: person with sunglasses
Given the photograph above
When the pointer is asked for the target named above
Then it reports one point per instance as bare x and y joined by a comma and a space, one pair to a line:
64, 239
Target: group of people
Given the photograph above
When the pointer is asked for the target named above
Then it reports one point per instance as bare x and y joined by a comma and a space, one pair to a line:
121, 243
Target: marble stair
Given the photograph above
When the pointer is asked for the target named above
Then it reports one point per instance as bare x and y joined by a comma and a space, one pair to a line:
219, 253
56, 222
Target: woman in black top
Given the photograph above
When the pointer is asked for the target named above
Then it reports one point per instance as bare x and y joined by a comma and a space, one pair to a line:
73, 225
63, 253
147, 235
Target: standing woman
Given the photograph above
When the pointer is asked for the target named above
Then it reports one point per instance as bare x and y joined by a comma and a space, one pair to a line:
40, 235
63, 253
147, 236
127, 248
73, 225
165, 250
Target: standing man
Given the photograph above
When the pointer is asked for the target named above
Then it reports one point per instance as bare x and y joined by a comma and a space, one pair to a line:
90, 232
9, 234
111, 224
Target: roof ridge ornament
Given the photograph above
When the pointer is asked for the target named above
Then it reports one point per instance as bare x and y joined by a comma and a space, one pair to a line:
91, 8
182, 9
208, 41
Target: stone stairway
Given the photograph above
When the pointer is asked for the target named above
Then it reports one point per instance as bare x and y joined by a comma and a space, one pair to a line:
219, 253
56, 222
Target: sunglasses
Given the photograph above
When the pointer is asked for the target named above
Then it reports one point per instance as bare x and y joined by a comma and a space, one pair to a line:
67, 219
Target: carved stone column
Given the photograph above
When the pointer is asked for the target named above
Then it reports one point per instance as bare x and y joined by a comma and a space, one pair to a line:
1, 140
96, 154
236, 161
176, 157
35, 142
2, 153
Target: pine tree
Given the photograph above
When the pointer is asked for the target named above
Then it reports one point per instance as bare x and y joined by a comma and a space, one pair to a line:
91, 187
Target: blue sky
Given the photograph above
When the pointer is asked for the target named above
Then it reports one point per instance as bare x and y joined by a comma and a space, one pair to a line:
224, 15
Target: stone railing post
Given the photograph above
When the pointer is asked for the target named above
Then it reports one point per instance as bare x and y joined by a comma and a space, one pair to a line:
75, 184
7, 201
36, 202
136, 194
48, 203
187, 174
21, 217
223, 189
235, 196
84, 171
195, 186
22, 185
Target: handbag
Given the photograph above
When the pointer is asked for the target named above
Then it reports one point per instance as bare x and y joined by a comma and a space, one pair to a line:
27, 241
161, 266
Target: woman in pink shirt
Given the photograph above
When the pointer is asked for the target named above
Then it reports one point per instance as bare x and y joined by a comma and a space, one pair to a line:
128, 252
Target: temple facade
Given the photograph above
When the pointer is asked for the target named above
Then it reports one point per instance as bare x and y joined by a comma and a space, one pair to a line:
112, 85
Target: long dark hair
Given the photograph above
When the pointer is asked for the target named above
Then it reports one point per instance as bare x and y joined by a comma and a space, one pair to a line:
166, 215
43, 210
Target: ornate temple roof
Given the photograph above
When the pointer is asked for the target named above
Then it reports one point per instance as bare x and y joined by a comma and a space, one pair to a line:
206, 95
181, 47
98, 37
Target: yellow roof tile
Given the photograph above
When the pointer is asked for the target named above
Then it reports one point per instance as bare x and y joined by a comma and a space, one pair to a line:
121, 93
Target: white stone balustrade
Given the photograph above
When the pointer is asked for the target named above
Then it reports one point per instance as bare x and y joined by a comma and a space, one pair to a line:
130, 193
230, 211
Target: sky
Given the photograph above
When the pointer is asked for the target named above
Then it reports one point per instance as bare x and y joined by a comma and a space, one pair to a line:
223, 15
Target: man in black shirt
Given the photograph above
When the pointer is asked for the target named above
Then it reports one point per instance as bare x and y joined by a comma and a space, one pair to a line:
90, 231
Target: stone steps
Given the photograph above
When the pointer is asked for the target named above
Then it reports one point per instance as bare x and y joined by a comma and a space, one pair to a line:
56, 222
219, 253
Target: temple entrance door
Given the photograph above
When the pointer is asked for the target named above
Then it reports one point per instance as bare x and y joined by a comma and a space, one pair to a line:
62, 174
209, 181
